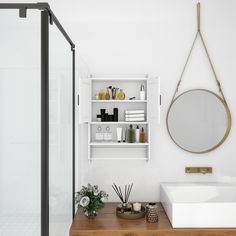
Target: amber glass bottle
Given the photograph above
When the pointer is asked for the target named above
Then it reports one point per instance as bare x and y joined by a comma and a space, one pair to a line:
142, 136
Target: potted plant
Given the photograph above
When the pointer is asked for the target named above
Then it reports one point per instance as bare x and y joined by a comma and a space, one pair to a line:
90, 198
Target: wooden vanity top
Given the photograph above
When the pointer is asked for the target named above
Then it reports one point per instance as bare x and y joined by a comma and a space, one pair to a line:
107, 224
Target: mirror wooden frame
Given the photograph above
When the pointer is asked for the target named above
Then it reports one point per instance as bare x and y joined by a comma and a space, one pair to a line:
228, 121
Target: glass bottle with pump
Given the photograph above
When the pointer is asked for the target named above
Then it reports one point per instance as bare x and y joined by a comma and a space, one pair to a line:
130, 135
142, 136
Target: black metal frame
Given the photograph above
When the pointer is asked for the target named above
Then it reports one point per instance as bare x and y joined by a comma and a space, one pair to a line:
47, 16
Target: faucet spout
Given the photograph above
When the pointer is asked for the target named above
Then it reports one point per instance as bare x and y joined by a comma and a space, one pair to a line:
198, 170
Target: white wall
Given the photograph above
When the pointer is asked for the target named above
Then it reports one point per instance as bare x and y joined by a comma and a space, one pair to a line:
154, 36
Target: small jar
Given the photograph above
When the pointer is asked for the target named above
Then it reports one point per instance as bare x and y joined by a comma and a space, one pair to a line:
107, 136
96, 96
99, 136
151, 212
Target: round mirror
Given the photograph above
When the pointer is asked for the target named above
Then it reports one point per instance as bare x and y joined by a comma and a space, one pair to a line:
198, 121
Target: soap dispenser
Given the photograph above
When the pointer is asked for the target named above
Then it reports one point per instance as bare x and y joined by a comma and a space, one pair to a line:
130, 135
137, 134
142, 136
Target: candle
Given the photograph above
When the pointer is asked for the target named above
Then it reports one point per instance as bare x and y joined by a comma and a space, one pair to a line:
137, 206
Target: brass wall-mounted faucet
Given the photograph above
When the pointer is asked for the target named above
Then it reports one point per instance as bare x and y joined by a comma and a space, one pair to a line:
198, 170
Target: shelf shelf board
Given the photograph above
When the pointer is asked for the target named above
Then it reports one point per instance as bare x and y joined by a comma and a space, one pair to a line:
118, 159
120, 79
118, 144
118, 123
118, 101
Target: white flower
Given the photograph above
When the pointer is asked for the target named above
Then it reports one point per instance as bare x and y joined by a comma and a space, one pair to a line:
96, 192
84, 201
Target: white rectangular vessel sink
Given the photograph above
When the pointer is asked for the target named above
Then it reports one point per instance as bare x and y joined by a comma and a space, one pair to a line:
200, 205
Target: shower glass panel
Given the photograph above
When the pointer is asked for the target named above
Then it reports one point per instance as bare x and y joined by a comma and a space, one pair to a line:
60, 133
20, 123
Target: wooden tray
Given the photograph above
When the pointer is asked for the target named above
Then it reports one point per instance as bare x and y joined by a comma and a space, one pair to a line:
131, 215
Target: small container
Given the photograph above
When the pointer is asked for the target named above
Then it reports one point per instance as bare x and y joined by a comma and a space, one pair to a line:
106, 117
103, 116
107, 136
137, 206
142, 93
137, 134
142, 136
107, 95
99, 136
110, 118
119, 134
124, 135
99, 118
102, 95
120, 95
130, 135
96, 96
151, 212
115, 112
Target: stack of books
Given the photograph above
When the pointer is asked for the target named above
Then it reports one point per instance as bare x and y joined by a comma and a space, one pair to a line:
134, 115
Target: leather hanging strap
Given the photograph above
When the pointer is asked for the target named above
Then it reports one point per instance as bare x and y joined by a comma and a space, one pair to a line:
207, 53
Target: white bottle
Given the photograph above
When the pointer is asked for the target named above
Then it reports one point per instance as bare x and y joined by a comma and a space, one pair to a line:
142, 93
137, 134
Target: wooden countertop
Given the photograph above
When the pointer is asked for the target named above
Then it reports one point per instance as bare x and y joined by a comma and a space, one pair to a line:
108, 224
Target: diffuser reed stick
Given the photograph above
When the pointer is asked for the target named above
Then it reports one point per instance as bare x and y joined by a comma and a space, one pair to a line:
127, 190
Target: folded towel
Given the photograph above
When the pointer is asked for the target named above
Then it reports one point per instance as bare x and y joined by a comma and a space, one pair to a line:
134, 112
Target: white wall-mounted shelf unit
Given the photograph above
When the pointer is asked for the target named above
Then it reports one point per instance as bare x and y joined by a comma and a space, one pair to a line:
118, 123
90, 108
119, 101
117, 144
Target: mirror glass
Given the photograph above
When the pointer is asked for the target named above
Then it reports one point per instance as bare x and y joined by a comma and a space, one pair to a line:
198, 121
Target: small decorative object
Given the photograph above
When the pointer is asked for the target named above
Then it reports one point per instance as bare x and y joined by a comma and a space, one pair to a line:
90, 198
124, 199
107, 134
99, 135
110, 91
131, 135
114, 92
96, 96
119, 134
107, 96
124, 135
105, 117
102, 95
99, 118
116, 113
125, 210
142, 136
120, 95
137, 206
142, 93
137, 134
131, 214
151, 212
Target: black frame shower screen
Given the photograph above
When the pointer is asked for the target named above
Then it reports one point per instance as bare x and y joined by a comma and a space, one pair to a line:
48, 18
